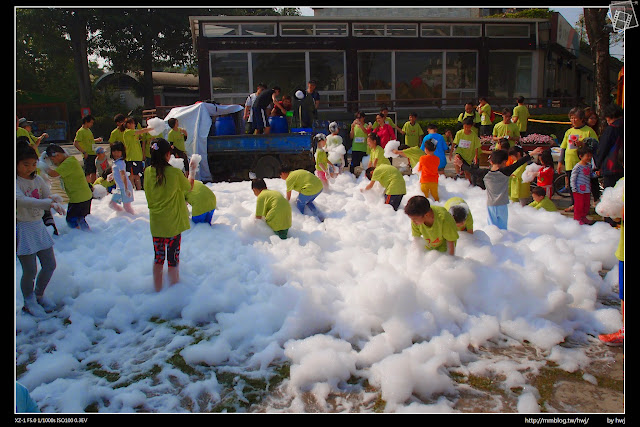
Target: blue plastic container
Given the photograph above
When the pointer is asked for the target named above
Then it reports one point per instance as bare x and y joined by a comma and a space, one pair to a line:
278, 124
225, 125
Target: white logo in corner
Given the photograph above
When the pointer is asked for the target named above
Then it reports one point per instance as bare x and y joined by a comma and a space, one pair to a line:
622, 16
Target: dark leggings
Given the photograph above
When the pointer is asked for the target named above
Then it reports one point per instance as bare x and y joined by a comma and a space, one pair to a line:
356, 159
168, 247
30, 270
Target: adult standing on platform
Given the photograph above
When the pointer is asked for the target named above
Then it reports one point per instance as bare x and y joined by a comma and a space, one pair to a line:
248, 110
260, 114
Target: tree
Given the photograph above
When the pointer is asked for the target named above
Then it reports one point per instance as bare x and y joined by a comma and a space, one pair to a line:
595, 20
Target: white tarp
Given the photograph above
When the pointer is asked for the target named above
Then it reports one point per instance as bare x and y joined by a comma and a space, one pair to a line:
197, 119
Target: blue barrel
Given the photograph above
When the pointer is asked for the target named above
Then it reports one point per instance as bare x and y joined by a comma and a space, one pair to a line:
225, 125
278, 124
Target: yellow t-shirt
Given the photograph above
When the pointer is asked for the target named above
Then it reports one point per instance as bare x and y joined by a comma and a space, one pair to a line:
378, 154
507, 130
116, 135
391, 179
275, 209
468, 224
168, 212
485, 114
443, 229
570, 150
84, 137
413, 134
176, 138
201, 199
132, 145
522, 113
304, 182
74, 181
467, 145
546, 204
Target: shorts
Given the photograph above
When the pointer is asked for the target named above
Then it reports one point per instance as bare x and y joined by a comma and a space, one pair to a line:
169, 247
76, 213
430, 187
393, 200
282, 233
498, 216
135, 167
260, 118
322, 175
90, 164
203, 218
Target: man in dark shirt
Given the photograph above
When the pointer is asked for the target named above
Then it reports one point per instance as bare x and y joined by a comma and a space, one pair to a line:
260, 113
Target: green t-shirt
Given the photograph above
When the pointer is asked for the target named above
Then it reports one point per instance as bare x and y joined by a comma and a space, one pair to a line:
304, 182
413, 134
133, 146
275, 209
413, 154
378, 154
176, 138
468, 224
485, 114
570, 150
510, 130
475, 115
146, 138
168, 212
85, 139
32, 138
620, 250
391, 179
73, 180
101, 181
201, 199
116, 136
522, 113
468, 146
359, 140
443, 229
322, 161
546, 204
519, 189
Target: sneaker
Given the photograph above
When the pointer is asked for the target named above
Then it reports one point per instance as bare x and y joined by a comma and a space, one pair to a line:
46, 303
615, 339
32, 307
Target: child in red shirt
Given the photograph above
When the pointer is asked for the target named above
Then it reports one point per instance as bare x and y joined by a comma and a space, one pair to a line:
545, 174
428, 168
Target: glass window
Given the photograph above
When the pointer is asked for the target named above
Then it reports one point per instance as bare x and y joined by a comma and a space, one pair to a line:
258, 30
471, 30
461, 70
510, 74
284, 69
298, 29
336, 30
370, 30
229, 72
435, 30
402, 30
418, 75
220, 30
507, 30
374, 70
327, 69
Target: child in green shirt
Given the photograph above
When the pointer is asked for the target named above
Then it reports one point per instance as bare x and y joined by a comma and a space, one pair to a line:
433, 224
273, 207
75, 184
391, 179
322, 159
166, 188
308, 187
203, 203
412, 131
376, 152
541, 200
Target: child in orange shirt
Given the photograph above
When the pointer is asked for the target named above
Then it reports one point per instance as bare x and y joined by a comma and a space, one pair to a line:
428, 168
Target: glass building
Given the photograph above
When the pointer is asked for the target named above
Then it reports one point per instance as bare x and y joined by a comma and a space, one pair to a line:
364, 61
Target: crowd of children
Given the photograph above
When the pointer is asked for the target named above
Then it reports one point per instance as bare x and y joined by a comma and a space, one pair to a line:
138, 163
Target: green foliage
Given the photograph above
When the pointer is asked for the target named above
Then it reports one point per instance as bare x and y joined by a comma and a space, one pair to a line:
528, 13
